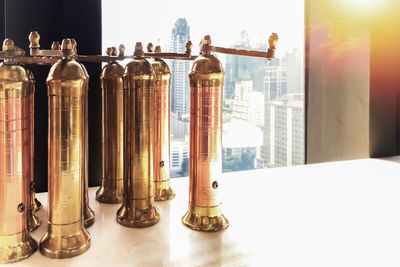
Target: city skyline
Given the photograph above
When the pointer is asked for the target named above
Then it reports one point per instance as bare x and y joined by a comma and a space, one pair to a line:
259, 98
224, 22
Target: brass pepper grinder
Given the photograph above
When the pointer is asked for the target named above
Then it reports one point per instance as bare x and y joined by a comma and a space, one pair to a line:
162, 82
66, 235
112, 130
88, 213
138, 208
205, 158
16, 99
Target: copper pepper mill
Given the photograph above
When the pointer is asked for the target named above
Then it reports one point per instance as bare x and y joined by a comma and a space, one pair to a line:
111, 189
138, 208
66, 236
161, 164
205, 158
16, 107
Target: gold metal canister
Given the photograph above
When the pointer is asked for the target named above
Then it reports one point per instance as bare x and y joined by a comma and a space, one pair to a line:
205, 151
16, 99
66, 236
88, 213
162, 82
138, 208
111, 189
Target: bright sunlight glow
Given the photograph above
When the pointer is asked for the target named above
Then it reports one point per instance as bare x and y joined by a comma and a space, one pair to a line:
363, 4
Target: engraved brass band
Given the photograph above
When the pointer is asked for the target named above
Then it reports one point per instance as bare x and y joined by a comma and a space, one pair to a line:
66, 235
111, 189
16, 105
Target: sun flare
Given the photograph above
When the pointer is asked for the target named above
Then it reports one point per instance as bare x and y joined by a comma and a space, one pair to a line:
363, 4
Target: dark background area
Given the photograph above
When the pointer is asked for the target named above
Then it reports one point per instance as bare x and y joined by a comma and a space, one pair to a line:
55, 20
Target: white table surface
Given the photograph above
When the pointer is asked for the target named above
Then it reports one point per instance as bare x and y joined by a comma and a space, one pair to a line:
332, 214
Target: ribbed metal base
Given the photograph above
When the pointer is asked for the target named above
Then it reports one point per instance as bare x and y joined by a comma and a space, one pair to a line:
65, 241
109, 197
163, 191
138, 213
207, 219
16, 247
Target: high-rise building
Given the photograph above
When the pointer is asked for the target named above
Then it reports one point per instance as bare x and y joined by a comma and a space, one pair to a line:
283, 132
284, 75
243, 68
180, 93
179, 151
248, 105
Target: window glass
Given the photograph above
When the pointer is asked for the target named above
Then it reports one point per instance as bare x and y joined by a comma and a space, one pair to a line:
263, 111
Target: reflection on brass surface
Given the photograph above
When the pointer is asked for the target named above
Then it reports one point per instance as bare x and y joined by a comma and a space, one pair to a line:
16, 107
138, 208
208, 219
37, 205
88, 213
66, 236
111, 189
34, 221
162, 81
205, 159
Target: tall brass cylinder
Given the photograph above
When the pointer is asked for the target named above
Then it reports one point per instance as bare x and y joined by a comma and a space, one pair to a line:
66, 236
205, 151
16, 107
138, 208
111, 189
162, 82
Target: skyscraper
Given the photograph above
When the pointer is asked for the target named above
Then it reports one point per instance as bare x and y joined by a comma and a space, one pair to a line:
180, 94
283, 143
284, 131
239, 69
284, 75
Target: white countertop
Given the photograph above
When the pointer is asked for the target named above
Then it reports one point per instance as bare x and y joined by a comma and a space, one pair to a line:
332, 214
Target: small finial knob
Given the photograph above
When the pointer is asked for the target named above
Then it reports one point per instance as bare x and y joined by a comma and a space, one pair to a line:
55, 46
121, 49
206, 40
150, 47
273, 40
66, 44
109, 51
34, 38
8, 44
113, 51
20, 51
138, 50
74, 44
188, 47
157, 49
